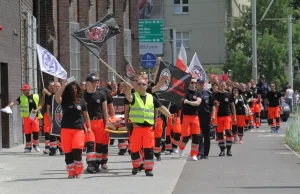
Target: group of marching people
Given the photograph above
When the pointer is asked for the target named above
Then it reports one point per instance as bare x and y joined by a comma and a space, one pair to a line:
229, 108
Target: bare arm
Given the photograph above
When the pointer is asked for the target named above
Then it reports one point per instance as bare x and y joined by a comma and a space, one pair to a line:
87, 120
165, 111
193, 103
213, 113
58, 94
128, 94
161, 82
104, 109
126, 113
11, 104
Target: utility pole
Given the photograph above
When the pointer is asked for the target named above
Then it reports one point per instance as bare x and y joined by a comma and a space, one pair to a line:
290, 46
254, 49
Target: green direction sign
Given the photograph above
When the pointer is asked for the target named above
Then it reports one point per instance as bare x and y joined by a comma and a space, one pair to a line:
151, 30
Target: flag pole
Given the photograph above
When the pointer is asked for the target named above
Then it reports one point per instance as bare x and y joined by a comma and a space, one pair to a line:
42, 79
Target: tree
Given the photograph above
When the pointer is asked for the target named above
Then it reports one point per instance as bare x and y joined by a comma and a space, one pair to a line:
272, 42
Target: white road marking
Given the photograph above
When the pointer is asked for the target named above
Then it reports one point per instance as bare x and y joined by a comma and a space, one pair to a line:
259, 131
283, 153
272, 135
292, 150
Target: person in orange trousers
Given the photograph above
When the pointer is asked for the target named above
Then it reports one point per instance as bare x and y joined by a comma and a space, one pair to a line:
273, 97
141, 114
190, 122
173, 132
238, 126
214, 123
72, 126
226, 112
158, 130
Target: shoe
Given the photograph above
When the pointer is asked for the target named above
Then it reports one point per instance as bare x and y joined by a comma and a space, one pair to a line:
52, 152
222, 153
27, 150
257, 127
229, 152
141, 167
120, 153
158, 158
277, 130
46, 151
135, 171
77, 175
61, 151
241, 142
90, 169
36, 148
149, 173
129, 152
104, 166
97, 169
71, 175
205, 157
194, 158
175, 150
180, 152
235, 140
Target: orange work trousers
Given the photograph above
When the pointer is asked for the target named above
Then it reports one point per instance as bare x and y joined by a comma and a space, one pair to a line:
47, 123
274, 114
176, 129
224, 123
31, 126
158, 130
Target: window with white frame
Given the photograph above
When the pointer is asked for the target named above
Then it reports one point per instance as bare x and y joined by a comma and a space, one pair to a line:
181, 6
182, 38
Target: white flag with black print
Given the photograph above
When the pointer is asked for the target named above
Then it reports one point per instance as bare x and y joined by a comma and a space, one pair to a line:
49, 64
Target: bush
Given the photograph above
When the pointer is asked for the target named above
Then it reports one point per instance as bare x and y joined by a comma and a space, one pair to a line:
292, 137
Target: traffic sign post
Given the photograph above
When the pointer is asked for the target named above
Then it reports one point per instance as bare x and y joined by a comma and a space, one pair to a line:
151, 31
148, 62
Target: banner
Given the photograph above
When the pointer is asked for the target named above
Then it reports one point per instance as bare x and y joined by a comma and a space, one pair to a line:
56, 118
94, 36
176, 88
128, 69
196, 69
224, 77
49, 64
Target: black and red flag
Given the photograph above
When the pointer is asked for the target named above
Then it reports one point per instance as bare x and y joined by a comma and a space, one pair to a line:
128, 69
94, 36
176, 88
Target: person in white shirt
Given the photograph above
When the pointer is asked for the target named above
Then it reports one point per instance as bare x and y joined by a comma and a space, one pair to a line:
289, 97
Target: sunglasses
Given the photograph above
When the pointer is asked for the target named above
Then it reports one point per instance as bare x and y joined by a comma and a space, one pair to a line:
193, 82
141, 84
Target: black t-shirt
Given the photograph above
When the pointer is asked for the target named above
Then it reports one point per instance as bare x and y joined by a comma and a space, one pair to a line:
189, 109
31, 102
208, 101
256, 91
273, 98
106, 92
72, 114
156, 103
248, 95
174, 109
239, 103
49, 101
225, 99
94, 103
46, 102
149, 90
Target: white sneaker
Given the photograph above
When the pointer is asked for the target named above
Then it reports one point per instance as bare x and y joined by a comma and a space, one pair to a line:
194, 158
37, 149
180, 152
175, 150
27, 151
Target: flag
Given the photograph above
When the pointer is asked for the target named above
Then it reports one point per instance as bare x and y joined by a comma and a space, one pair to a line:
129, 71
49, 64
181, 62
196, 69
175, 89
94, 36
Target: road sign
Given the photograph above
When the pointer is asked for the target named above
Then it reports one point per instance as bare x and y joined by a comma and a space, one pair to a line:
151, 30
148, 60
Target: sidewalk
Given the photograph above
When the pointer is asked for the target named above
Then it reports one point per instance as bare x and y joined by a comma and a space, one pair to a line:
36, 173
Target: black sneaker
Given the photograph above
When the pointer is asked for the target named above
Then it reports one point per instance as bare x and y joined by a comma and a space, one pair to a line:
97, 168
205, 157
52, 152
61, 151
141, 167
90, 169
121, 153
229, 152
135, 171
222, 153
158, 158
149, 173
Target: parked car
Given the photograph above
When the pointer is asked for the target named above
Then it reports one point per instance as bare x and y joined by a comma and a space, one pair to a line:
284, 114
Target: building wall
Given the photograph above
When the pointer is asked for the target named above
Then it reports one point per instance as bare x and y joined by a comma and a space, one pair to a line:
10, 53
205, 23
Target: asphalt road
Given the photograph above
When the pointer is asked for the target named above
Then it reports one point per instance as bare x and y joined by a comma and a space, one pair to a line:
263, 164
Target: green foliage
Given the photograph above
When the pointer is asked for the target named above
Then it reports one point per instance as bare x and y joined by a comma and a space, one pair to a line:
272, 42
292, 137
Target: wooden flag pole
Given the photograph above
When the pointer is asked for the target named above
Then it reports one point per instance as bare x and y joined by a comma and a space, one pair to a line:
42, 79
109, 67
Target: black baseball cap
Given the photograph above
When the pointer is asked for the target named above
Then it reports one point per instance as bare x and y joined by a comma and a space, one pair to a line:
92, 78
200, 80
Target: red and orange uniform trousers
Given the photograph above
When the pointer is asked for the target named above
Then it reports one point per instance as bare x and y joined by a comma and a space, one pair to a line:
274, 117
31, 131
173, 133
224, 125
190, 127
47, 127
142, 137
238, 126
97, 144
72, 141
256, 113
158, 130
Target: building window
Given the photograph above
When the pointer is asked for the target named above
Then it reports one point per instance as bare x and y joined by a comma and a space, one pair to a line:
181, 6
183, 38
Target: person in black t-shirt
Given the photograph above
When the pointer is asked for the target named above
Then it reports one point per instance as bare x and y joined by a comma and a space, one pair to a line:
273, 98
257, 103
226, 112
142, 106
75, 113
190, 121
97, 140
241, 107
248, 95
